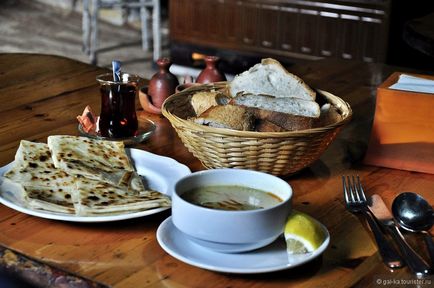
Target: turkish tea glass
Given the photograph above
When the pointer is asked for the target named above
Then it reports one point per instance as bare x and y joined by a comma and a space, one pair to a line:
118, 117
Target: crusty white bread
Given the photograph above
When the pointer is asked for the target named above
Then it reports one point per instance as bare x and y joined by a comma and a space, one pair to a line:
202, 101
289, 105
284, 121
227, 116
329, 115
271, 78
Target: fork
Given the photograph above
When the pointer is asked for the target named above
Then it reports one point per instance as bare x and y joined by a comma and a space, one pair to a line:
355, 201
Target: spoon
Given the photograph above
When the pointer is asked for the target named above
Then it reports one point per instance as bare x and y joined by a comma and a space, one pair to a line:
414, 214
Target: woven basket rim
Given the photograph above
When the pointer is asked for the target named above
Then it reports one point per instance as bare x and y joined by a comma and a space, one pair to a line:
343, 106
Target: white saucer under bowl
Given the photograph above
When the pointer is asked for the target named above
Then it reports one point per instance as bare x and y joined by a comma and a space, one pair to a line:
230, 248
267, 259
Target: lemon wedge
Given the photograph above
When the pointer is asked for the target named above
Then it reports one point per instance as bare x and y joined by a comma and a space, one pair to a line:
302, 233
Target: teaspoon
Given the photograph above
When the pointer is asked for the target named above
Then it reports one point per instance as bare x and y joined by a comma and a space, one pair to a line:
413, 213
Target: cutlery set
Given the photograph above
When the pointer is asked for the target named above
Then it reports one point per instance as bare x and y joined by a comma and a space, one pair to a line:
410, 212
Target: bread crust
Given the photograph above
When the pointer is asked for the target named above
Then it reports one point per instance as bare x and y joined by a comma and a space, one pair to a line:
227, 116
202, 101
267, 126
249, 75
287, 122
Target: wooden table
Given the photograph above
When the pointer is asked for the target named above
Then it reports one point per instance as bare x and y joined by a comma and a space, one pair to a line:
42, 95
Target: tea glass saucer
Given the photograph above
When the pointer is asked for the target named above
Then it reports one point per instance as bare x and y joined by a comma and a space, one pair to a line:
145, 130
267, 259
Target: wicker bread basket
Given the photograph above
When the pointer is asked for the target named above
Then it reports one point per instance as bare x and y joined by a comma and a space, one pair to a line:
278, 153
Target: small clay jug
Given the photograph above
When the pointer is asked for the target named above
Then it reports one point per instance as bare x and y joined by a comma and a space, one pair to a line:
211, 74
163, 83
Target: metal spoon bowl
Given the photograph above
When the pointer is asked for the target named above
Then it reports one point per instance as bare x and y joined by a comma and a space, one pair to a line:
415, 214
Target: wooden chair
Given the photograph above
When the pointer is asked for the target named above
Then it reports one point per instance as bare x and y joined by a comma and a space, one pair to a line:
90, 23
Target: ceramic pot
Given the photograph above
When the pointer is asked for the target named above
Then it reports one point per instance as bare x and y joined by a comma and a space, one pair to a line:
162, 84
146, 102
211, 74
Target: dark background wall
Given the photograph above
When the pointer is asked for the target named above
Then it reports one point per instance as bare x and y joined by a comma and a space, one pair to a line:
399, 52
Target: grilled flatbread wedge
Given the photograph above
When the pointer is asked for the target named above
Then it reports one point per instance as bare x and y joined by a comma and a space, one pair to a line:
39, 184
96, 198
33, 166
53, 199
100, 160
33, 155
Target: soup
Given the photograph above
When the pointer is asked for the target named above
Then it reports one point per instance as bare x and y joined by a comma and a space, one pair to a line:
231, 197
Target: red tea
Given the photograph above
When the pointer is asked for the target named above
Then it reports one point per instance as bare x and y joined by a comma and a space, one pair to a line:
118, 110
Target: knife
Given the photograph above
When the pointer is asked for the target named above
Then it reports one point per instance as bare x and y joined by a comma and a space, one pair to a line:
382, 213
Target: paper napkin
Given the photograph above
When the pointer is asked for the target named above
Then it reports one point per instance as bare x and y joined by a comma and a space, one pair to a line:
413, 84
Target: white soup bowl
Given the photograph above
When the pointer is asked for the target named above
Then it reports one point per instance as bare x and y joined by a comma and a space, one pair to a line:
227, 230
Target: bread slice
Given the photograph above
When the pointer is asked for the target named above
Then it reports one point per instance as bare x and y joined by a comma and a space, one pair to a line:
227, 116
289, 105
271, 78
329, 115
262, 125
202, 101
287, 122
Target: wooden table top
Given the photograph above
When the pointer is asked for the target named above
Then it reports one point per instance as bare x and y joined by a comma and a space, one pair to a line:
41, 95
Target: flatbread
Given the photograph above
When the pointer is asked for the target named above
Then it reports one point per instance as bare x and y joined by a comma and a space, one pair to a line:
53, 199
41, 186
103, 198
38, 183
33, 166
33, 155
101, 160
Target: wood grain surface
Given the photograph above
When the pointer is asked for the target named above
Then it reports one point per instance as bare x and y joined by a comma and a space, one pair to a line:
41, 95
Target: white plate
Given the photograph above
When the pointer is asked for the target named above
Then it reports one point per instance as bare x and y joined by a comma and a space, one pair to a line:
160, 173
268, 259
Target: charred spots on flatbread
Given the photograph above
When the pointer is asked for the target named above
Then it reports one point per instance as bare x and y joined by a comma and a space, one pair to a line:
36, 192
43, 158
33, 165
93, 198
